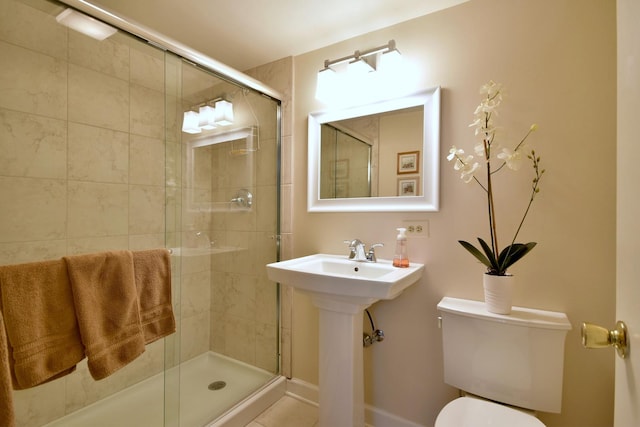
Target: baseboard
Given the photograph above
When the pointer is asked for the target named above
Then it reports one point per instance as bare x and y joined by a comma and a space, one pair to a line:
302, 390
381, 418
374, 417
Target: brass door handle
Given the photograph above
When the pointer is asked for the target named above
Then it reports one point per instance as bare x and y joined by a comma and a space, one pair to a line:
594, 336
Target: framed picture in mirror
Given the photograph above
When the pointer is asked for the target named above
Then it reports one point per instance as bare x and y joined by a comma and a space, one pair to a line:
408, 186
408, 162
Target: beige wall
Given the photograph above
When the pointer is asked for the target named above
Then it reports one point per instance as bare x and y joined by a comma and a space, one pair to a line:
399, 133
557, 60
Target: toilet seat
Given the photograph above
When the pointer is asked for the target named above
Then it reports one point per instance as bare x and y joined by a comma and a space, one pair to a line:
473, 412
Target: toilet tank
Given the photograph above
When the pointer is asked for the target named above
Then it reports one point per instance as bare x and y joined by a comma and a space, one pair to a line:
516, 359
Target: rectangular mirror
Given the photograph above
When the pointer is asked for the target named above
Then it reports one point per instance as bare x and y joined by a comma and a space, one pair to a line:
380, 157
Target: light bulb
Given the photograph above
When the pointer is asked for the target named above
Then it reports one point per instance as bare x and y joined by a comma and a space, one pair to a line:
190, 122
207, 118
224, 113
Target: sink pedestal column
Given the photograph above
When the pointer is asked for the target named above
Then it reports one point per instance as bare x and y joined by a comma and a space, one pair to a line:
341, 377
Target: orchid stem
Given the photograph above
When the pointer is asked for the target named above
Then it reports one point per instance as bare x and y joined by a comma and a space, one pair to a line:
492, 211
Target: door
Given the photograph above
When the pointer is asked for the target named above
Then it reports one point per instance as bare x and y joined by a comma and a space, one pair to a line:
627, 399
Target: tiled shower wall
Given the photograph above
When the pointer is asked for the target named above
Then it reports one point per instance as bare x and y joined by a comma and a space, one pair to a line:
82, 169
82, 165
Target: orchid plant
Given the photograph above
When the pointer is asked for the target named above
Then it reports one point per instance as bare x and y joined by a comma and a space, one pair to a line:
490, 152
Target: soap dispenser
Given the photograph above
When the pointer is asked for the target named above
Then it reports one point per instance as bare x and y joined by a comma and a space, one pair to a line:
401, 259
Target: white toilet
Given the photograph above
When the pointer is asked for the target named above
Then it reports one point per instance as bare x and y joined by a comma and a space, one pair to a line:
510, 364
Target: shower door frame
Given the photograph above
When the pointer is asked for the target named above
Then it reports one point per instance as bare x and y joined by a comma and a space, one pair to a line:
165, 43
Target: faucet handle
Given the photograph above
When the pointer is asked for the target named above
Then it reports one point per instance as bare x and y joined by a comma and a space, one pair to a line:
352, 247
371, 256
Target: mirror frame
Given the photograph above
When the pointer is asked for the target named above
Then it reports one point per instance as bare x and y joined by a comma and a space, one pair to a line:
430, 158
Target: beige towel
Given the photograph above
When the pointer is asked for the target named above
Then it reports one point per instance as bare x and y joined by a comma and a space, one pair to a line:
7, 416
106, 304
153, 282
43, 337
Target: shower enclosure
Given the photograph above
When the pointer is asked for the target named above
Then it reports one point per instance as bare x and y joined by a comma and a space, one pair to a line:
345, 164
93, 157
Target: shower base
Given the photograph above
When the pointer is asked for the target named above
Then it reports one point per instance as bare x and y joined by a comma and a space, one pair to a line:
202, 399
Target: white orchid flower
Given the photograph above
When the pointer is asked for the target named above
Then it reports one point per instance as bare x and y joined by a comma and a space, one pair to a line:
461, 163
486, 150
490, 88
511, 158
468, 172
454, 153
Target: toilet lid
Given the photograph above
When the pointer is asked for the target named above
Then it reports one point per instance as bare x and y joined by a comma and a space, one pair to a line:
472, 412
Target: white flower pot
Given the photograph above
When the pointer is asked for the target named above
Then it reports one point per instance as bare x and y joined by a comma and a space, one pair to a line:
498, 293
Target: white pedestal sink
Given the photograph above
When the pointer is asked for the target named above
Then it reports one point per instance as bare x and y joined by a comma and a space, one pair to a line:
342, 289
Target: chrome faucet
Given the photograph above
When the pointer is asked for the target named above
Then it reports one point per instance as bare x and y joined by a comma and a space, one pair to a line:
357, 251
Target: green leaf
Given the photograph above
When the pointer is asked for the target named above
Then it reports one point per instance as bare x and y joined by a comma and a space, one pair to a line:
490, 255
513, 253
475, 252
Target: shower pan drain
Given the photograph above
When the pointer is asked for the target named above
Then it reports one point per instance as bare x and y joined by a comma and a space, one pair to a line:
217, 385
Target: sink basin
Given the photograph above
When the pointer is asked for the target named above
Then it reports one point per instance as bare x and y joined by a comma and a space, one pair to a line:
340, 276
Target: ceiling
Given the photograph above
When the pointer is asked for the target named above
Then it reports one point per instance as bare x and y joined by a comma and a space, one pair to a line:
246, 33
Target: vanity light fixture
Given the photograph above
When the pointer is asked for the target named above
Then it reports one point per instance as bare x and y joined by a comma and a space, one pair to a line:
327, 78
367, 57
391, 58
85, 24
224, 113
210, 115
190, 122
207, 117
361, 64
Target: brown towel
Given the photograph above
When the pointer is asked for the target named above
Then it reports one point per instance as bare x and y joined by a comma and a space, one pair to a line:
43, 337
7, 416
153, 281
106, 304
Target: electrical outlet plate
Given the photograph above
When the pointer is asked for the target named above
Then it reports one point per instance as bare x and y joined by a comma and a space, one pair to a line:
416, 227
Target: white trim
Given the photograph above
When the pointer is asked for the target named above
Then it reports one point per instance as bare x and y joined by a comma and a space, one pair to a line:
253, 406
307, 392
301, 389
429, 158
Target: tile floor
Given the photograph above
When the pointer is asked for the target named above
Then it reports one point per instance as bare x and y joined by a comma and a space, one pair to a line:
287, 412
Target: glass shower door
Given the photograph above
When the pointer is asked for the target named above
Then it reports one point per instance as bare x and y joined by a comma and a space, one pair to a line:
222, 223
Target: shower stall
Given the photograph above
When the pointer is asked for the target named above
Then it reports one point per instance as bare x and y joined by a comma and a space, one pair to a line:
96, 155
346, 163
